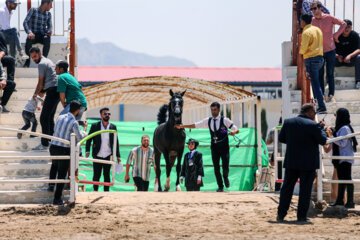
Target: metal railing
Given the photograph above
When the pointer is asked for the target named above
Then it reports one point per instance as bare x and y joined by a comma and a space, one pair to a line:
320, 177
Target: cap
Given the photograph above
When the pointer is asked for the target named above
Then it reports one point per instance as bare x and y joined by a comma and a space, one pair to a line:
191, 140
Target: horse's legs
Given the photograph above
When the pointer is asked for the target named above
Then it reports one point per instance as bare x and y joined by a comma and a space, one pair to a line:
178, 170
168, 170
157, 167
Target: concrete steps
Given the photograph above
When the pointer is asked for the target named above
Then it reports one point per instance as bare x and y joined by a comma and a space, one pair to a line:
24, 187
28, 83
13, 134
25, 170
14, 144
29, 196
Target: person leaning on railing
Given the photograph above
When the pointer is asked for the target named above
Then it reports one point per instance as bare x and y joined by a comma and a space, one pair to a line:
345, 147
65, 125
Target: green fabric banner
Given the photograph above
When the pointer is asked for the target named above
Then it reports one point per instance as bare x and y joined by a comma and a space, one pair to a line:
241, 178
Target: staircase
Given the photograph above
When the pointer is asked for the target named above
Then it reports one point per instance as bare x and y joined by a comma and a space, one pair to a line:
26, 80
346, 96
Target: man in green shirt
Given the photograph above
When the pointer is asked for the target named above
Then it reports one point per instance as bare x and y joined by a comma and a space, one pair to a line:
69, 89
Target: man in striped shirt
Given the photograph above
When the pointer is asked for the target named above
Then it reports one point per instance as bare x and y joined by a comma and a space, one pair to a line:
143, 158
65, 125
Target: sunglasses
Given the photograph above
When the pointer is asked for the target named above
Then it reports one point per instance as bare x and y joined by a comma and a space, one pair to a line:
314, 8
107, 114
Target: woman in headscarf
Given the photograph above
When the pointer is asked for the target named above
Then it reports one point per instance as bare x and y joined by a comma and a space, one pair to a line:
345, 147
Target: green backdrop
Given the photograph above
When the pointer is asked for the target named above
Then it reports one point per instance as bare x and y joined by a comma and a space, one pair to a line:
241, 178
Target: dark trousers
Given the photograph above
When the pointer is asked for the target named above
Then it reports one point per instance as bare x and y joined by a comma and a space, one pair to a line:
193, 189
9, 63
141, 185
355, 61
344, 173
286, 192
218, 152
48, 112
279, 170
29, 117
330, 61
98, 168
8, 91
12, 38
313, 66
62, 167
39, 38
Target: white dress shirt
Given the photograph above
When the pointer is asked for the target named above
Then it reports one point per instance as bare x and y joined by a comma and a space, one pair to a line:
105, 149
5, 18
205, 123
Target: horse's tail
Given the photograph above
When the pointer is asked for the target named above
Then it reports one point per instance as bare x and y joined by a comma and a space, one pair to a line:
162, 115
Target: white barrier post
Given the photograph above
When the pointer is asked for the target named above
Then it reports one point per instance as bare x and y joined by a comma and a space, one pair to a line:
258, 132
114, 157
276, 139
320, 180
72, 166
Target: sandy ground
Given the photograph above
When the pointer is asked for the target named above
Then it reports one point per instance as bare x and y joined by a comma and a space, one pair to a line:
203, 215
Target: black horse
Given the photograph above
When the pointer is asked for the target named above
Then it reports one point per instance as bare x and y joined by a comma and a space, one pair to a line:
168, 140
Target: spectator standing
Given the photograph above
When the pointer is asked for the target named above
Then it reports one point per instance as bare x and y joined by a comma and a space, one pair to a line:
302, 136
7, 84
312, 51
47, 83
326, 23
345, 147
348, 50
38, 28
69, 89
142, 158
103, 147
11, 34
28, 114
218, 126
192, 169
65, 125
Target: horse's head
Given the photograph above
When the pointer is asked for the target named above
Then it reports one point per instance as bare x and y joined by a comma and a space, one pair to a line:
176, 105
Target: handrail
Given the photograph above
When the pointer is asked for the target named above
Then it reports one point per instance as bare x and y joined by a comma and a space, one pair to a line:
342, 137
36, 134
95, 134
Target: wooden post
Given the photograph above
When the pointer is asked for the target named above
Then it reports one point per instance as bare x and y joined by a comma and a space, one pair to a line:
240, 115
72, 39
232, 111
249, 114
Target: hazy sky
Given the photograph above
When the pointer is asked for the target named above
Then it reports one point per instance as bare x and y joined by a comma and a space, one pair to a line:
213, 33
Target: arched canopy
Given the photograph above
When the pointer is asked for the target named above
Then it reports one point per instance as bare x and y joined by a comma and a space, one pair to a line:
154, 91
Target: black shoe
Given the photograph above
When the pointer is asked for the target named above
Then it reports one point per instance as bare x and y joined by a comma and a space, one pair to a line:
15, 90
19, 135
27, 63
350, 205
321, 111
220, 190
33, 136
227, 182
303, 219
58, 202
4, 110
51, 188
279, 219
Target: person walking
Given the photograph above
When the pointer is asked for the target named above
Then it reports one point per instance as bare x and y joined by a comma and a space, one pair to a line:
38, 27
312, 50
65, 125
218, 126
103, 147
69, 89
326, 23
302, 136
47, 82
192, 169
143, 158
345, 147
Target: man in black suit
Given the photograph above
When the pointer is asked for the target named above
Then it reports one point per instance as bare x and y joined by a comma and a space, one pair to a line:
102, 147
302, 136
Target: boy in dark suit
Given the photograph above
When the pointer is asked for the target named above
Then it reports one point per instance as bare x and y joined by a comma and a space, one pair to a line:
192, 169
102, 147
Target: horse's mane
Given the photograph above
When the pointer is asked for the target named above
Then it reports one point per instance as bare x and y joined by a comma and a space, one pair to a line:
162, 115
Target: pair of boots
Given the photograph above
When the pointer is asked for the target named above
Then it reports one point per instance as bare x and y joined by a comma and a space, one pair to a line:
350, 195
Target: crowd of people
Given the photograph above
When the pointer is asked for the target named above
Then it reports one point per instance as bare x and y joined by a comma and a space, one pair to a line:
321, 48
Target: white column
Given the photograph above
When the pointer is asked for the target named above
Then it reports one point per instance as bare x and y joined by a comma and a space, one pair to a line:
72, 166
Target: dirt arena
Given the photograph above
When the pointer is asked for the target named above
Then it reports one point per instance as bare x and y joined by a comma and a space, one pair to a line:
202, 215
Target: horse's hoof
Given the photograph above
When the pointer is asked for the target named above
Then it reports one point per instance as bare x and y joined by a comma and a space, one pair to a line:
167, 184
156, 187
178, 188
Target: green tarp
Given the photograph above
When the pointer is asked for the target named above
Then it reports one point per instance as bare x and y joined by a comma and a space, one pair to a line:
241, 178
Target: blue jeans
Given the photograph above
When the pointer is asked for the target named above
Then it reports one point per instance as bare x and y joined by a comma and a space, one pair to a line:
67, 109
330, 60
12, 38
313, 66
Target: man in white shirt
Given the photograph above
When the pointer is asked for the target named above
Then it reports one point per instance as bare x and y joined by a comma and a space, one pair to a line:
102, 147
11, 34
218, 126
